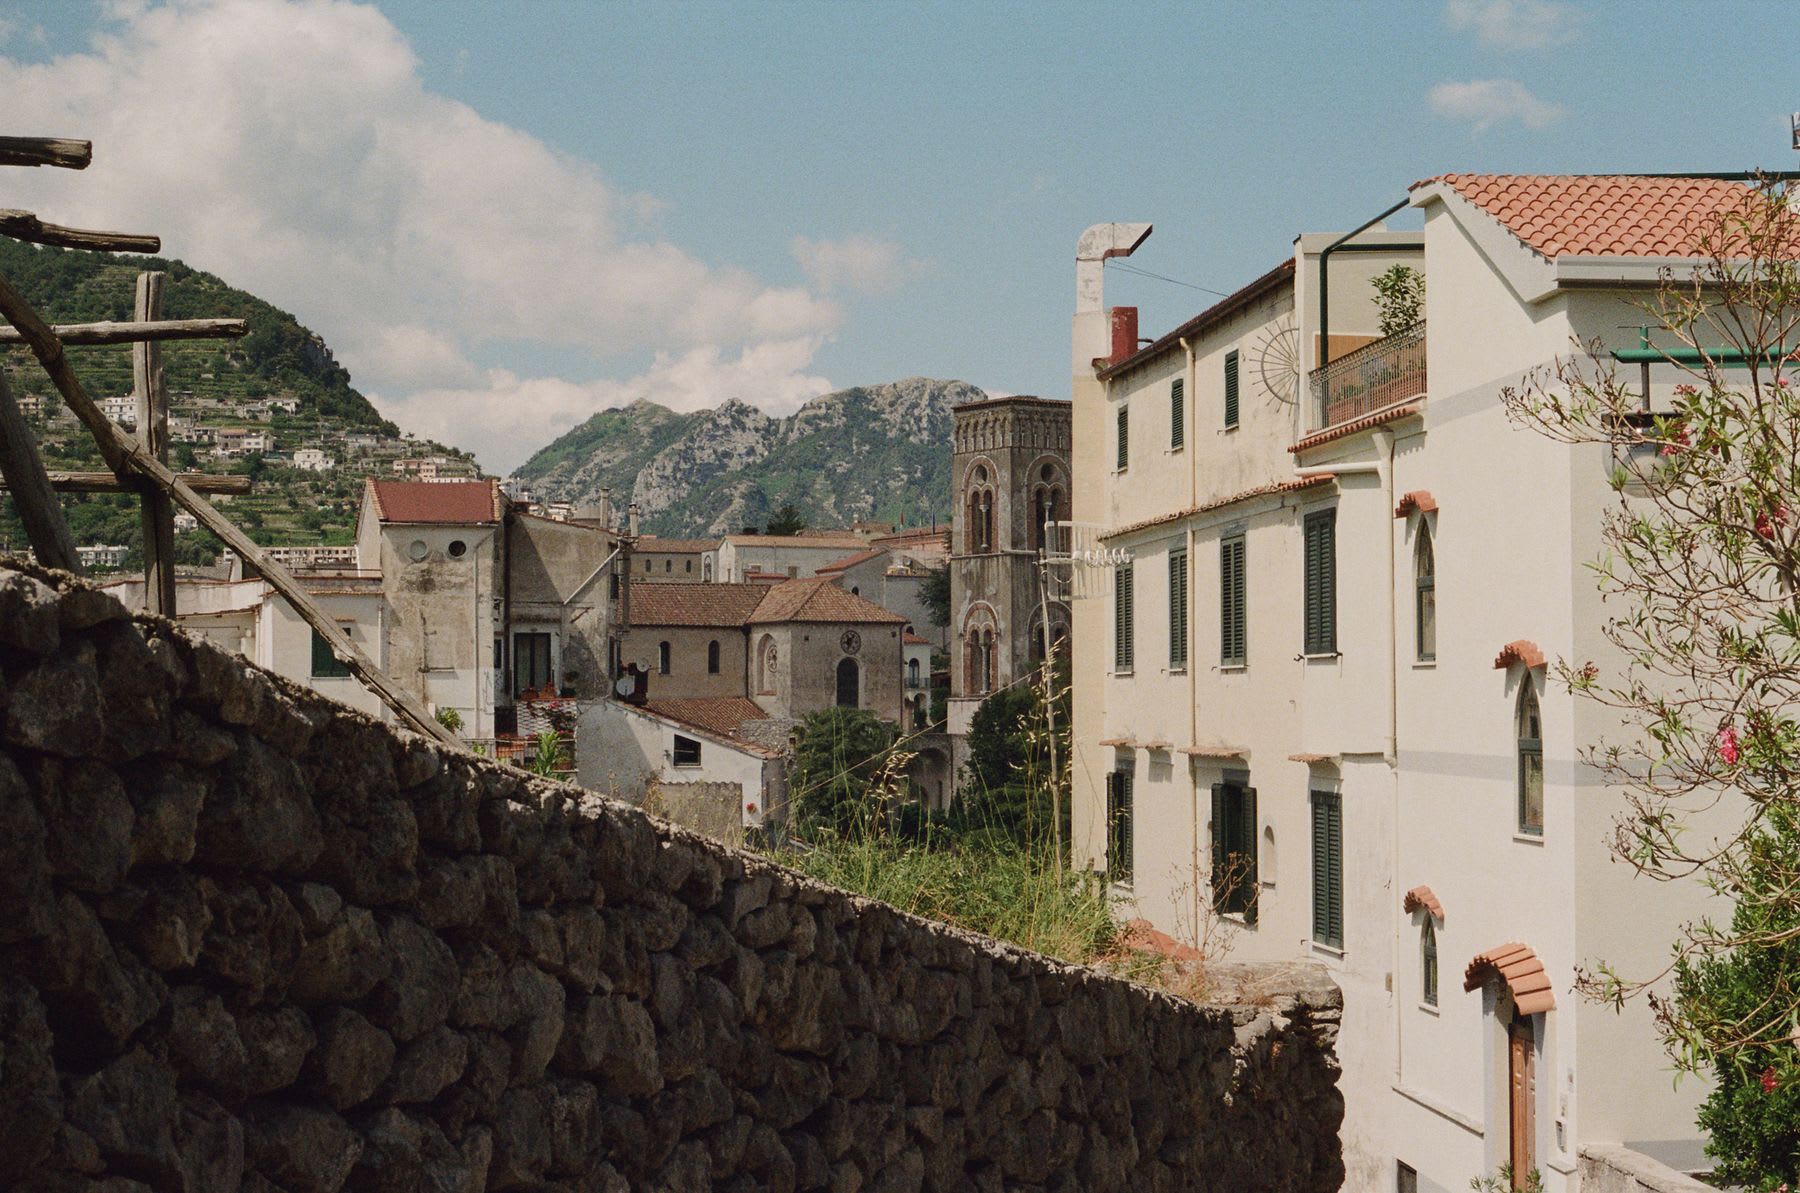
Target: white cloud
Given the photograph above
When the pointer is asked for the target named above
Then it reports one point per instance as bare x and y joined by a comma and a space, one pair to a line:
1487, 102
860, 263
293, 149
770, 374
1516, 24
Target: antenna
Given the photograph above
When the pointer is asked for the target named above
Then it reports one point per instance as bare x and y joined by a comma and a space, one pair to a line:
1794, 128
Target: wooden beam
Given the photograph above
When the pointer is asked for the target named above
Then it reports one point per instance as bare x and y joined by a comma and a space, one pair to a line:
141, 332
23, 468
22, 225
155, 511
46, 151
125, 456
106, 482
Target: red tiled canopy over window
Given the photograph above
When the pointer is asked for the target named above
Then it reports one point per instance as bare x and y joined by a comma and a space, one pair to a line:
1418, 501
1519, 651
1421, 896
1519, 967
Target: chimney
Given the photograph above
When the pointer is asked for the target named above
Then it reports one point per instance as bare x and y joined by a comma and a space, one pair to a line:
631, 519
1124, 333
606, 513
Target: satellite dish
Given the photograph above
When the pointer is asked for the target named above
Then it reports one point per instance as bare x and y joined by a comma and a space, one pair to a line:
623, 686
1275, 357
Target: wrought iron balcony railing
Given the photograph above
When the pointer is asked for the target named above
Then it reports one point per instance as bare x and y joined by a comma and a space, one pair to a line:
1375, 376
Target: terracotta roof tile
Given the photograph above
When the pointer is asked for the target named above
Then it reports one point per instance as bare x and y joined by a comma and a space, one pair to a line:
1220, 752
1519, 651
850, 561
1366, 422
460, 503
912, 639
723, 715
655, 604
842, 539
1421, 896
1610, 215
817, 599
1418, 501
1288, 486
1519, 967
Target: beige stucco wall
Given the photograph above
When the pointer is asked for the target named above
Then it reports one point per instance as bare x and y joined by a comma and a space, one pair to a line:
444, 617
688, 676
805, 676
556, 583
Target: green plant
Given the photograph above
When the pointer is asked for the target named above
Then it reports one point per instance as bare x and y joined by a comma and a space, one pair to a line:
935, 593
787, 520
1502, 1182
841, 758
450, 719
1399, 299
548, 755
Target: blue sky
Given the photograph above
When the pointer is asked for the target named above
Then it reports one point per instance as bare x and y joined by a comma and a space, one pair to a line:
693, 202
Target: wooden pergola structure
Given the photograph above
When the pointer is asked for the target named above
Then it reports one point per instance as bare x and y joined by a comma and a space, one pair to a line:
138, 464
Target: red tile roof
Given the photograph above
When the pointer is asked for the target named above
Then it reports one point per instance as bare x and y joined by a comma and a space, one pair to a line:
1418, 501
912, 639
459, 503
1611, 215
821, 540
817, 599
1519, 651
1421, 896
723, 715
1520, 969
655, 604
850, 561
1281, 275
1288, 486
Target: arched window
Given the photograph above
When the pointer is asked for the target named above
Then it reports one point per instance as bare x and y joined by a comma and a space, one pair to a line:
662, 658
1428, 962
765, 666
1531, 758
1425, 595
991, 676
912, 673
712, 657
849, 693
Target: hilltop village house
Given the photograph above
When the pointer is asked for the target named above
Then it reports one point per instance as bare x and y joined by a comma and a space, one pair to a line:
1312, 703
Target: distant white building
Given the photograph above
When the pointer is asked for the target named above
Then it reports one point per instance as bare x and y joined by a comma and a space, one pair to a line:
312, 459
284, 405
185, 522
241, 441
120, 410
103, 559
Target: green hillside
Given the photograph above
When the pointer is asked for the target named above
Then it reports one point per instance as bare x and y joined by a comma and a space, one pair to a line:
213, 385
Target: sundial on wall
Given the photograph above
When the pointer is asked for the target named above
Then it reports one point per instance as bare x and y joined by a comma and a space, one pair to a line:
851, 642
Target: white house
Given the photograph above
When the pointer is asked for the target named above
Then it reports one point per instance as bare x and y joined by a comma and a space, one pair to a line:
740, 556
312, 459
1310, 701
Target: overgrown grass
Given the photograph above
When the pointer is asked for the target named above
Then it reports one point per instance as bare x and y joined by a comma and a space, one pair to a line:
976, 881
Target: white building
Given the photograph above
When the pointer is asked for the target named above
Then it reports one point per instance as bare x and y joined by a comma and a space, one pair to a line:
103, 558
312, 459
120, 410
740, 556
1312, 707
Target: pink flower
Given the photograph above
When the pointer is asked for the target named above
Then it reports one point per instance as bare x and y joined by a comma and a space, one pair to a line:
1728, 745
1768, 1084
1679, 439
1686, 391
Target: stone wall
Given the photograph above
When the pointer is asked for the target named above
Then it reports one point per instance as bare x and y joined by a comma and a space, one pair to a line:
256, 940
714, 810
1615, 1168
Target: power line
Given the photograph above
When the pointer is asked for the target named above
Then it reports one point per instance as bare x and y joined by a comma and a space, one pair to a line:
1113, 264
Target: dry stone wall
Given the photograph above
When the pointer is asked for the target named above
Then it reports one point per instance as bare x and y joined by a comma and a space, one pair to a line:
254, 940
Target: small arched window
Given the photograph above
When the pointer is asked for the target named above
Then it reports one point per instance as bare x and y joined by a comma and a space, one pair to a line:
1428, 962
849, 693
912, 673
1531, 759
712, 657
1425, 595
662, 658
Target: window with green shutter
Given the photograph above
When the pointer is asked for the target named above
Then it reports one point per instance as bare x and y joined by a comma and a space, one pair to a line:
1234, 874
1428, 962
1231, 389
1328, 868
1118, 825
325, 664
1124, 653
1320, 532
1124, 437
1177, 413
1232, 649
1178, 609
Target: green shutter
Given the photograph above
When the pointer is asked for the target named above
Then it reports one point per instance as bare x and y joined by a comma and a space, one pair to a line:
1124, 437
1124, 654
1320, 581
1247, 849
325, 664
1231, 602
1118, 825
1328, 868
1177, 413
1231, 389
1178, 608
1221, 848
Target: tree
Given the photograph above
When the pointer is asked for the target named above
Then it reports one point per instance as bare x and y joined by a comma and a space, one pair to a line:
845, 768
787, 520
1702, 568
936, 595
1399, 299
1008, 783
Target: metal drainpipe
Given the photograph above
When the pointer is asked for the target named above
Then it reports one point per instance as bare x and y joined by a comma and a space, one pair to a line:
1384, 444
1324, 275
1193, 471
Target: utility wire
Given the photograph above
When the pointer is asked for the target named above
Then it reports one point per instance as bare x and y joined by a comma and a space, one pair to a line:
1112, 264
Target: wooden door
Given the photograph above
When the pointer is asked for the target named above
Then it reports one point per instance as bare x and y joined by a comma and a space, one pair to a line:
1522, 1090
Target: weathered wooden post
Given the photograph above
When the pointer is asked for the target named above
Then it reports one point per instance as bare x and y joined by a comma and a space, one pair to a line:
29, 484
156, 509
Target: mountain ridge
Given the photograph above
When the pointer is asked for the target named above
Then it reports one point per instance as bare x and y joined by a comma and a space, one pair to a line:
865, 452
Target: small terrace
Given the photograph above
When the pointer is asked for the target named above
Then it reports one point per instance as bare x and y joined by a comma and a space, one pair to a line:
1373, 377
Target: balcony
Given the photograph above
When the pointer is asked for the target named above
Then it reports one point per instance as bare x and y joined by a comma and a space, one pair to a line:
1373, 377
